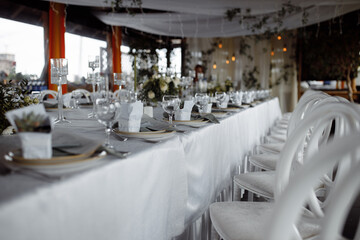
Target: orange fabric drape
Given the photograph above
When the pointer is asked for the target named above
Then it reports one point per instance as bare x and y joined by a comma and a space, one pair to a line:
116, 52
56, 37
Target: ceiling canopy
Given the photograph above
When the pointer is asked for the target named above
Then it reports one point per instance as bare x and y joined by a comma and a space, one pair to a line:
208, 18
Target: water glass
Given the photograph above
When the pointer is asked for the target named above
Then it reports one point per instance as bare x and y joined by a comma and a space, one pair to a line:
220, 98
120, 79
170, 103
106, 110
201, 101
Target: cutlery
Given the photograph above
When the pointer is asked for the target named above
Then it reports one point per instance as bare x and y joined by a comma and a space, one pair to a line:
120, 154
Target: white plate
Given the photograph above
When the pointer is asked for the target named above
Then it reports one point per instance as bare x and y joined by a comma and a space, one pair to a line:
58, 169
230, 109
151, 135
192, 123
219, 114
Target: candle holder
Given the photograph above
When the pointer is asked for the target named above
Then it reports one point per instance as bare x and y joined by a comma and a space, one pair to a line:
59, 71
94, 63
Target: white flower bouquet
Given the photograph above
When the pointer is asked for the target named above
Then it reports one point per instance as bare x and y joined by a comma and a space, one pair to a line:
157, 86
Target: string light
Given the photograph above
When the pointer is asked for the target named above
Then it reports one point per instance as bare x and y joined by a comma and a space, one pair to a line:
233, 57
214, 65
279, 37
284, 48
220, 44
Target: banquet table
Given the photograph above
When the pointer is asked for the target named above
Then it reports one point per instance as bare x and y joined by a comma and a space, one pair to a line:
156, 192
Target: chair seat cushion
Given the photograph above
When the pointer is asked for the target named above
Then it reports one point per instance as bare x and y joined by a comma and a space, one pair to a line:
265, 161
247, 220
271, 147
276, 138
261, 183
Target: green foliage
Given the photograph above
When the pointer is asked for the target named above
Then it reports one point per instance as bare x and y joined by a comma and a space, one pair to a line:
250, 78
331, 51
206, 55
118, 5
257, 23
32, 122
12, 96
213, 88
158, 86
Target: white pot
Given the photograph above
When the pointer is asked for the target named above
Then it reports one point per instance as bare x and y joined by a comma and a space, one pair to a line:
36, 145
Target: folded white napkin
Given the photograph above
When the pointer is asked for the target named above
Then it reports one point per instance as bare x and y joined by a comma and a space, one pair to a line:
129, 119
34, 144
148, 110
207, 109
224, 104
67, 100
184, 114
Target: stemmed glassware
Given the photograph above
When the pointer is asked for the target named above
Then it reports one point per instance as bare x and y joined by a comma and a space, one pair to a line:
59, 71
94, 63
236, 97
76, 95
186, 83
220, 98
106, 110
201, 101
119, 79
170, 103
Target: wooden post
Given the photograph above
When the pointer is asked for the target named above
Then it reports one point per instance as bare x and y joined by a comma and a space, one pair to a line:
116, 52
56, 37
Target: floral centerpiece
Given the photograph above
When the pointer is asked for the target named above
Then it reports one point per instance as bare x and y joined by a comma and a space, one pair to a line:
13, 96
225, 87
157, 86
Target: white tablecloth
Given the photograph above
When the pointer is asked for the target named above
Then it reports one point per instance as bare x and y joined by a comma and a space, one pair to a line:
155, 193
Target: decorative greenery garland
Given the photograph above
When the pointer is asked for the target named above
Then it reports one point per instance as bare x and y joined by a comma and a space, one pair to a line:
256, 23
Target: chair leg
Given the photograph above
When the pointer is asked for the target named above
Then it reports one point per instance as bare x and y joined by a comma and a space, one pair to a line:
250, 196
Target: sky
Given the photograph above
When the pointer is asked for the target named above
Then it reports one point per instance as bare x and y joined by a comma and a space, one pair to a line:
26, 42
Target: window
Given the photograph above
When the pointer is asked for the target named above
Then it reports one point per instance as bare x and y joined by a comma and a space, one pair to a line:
78, 53
23, 45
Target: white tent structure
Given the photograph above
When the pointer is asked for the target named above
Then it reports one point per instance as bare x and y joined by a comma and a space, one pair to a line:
207, 18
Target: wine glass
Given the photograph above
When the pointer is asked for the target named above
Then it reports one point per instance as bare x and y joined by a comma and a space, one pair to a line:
220, 99
170, 104
76, 95
201, 101
59, 71
105, 113
119, 79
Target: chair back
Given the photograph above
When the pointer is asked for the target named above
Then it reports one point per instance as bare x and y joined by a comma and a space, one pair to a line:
47, 92
326, 122
304, 105
84, 92
290, 205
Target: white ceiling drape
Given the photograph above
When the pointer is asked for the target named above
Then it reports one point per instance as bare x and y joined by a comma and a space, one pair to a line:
206, 18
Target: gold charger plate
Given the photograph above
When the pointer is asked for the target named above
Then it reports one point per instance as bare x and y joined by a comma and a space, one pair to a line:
58, 158
151, 135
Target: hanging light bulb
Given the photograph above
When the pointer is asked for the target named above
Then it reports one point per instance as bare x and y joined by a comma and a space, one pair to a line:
214, 65
279, 37
233, 57
272, 52
284, 48
227, 60
220, 44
